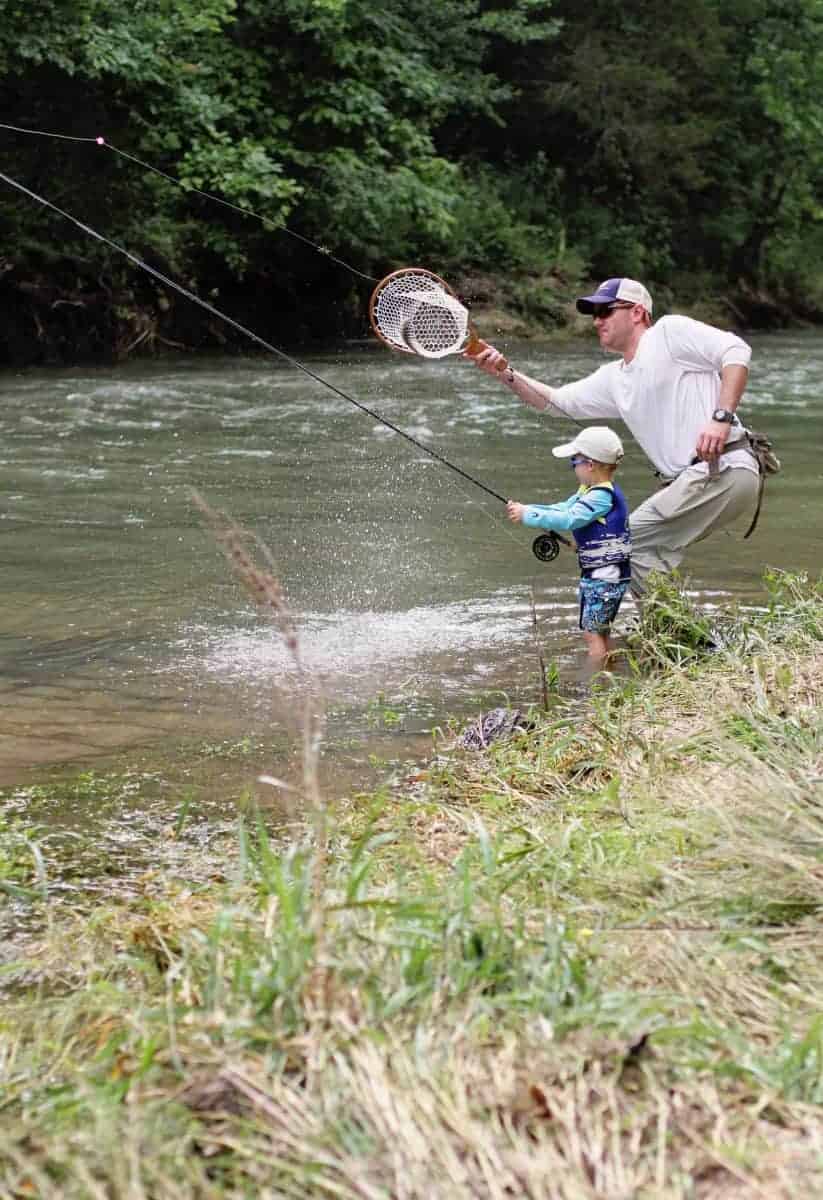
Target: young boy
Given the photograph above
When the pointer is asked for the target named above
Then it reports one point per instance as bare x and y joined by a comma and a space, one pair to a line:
598, 516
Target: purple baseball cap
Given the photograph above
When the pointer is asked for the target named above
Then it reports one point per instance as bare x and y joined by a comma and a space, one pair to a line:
612, 290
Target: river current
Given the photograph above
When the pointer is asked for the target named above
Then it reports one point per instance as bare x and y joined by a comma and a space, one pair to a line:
123, 629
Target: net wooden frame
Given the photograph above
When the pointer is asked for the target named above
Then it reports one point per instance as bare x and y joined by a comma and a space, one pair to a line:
415, 331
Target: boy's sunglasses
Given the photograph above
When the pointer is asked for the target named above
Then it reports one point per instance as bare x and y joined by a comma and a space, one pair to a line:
578, 460
603, 311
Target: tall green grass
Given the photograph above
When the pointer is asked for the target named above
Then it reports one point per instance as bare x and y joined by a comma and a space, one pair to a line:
584, 963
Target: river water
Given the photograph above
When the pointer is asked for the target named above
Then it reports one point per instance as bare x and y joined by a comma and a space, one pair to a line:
123, 631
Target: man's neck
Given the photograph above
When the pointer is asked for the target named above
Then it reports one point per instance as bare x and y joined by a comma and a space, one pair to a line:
634, 342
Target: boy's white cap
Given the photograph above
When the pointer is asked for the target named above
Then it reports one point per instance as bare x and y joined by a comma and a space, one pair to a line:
597, 442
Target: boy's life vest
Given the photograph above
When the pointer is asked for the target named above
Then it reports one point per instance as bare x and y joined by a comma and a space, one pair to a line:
606, 541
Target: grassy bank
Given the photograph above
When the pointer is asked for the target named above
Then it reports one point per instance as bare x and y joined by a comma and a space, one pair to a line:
582, 963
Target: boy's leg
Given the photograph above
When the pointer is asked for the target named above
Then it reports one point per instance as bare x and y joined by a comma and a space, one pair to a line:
599, 647
686, 511
600, 600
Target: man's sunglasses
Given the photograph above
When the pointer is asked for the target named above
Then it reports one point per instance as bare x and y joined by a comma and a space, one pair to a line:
605, 310
579, 461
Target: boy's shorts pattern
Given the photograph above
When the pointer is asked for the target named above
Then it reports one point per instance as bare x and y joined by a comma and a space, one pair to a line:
599, 601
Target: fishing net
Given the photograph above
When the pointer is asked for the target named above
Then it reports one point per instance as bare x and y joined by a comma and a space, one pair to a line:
415, 311
436, 325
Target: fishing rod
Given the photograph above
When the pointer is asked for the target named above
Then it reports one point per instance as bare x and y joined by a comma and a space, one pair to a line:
549, 543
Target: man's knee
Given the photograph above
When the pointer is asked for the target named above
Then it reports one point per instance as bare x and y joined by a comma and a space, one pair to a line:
644, 517
659, 559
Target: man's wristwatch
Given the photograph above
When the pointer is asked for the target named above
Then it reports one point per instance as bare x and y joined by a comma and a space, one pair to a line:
508, 375
724, 416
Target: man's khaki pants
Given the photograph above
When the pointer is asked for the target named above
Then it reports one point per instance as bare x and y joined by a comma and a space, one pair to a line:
694, 505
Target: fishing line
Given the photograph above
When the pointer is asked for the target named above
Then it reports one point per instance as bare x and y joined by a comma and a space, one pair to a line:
236, 208
65, 137
183, 291
249, 212
545, 546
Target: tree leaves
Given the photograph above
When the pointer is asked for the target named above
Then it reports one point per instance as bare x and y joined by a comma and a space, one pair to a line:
436, 130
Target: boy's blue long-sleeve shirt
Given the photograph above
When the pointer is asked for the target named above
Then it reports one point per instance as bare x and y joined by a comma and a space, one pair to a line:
579, 510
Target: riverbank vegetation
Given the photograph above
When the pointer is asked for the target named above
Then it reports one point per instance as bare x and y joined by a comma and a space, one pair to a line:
581, 963
520, 147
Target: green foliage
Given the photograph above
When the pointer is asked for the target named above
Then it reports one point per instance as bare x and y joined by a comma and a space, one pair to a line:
794, 604
21, 863
379, 713
509, 137
671, 629
505, 219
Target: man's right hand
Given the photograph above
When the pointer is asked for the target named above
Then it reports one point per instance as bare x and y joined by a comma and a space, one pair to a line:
712, 439
488, 360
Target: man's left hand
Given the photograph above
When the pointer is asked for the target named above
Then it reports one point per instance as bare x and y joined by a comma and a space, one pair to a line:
712, 439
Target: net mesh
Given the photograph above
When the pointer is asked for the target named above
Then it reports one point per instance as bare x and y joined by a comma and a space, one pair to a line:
412, 311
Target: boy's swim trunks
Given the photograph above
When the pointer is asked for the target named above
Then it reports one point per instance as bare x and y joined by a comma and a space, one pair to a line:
599, 601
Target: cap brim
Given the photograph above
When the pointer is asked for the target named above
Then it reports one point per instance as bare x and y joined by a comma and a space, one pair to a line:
586, 303
565, 451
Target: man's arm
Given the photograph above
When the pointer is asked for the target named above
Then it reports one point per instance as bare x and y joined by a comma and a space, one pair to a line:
702, 347
589, 397
530, 391
713, 437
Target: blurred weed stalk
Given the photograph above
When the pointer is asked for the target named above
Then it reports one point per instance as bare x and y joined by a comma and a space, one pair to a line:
239, 547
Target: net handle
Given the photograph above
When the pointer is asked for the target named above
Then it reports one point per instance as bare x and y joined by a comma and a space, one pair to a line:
476, 345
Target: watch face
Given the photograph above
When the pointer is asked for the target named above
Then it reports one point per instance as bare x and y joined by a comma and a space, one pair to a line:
722, 414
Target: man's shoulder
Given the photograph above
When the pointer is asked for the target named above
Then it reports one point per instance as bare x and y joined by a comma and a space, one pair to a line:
672, 323
696, 341
669, 333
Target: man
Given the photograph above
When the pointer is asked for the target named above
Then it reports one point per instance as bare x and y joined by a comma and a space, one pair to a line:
677, 386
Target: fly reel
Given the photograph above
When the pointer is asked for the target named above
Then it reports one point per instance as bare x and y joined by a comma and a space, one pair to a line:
546, 547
